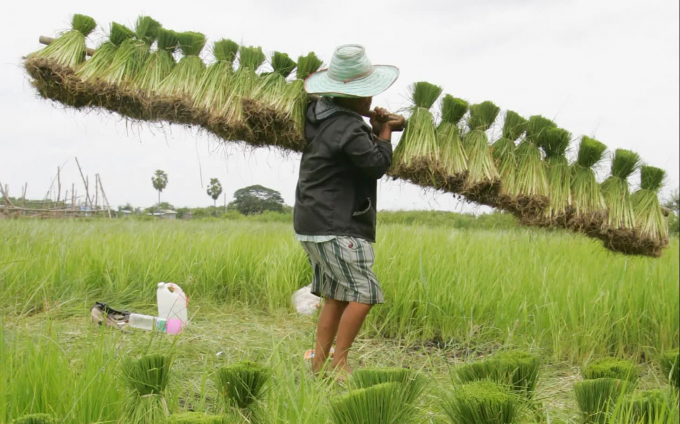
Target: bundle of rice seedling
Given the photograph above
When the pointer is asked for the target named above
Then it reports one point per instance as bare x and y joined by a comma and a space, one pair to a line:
615, 191
453, 159
503, 151
650, 220
196, 418
68, 50
646, 407
379, 404
586, 196
670, 366
242, 384
294, 101
597, 398
482, 182
132, 53
531, 179
417, 157
183, 81
555, 142
411, 382
147, 379
621, 369
158, 64
97, 65
36, 419
516, 369
227, 119
481, 402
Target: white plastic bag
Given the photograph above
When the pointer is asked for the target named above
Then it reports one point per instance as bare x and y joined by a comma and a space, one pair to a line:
305, 302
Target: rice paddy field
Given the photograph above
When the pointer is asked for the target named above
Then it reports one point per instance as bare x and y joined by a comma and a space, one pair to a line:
452, 297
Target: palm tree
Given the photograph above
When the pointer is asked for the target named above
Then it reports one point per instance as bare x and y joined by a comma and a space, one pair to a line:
160, 181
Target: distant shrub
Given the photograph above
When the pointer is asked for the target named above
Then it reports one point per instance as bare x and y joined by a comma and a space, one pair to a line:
481, 402
492, 221
622, 369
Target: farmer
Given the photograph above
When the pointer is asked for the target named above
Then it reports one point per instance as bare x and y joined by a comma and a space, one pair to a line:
335, 200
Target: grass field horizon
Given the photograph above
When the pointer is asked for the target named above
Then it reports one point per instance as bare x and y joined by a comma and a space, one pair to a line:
452, 295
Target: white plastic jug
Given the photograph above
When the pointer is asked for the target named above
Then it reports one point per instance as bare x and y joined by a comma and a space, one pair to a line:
172, 302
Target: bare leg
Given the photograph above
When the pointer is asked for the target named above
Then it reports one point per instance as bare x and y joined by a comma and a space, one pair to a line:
350, 324
327, 328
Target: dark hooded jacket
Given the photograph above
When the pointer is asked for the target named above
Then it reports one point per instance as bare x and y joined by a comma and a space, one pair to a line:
336, 191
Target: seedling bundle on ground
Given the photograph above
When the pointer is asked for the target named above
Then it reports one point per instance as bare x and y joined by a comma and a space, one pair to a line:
135, 74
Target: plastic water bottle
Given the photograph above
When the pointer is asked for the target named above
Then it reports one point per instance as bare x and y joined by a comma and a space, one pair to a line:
172, 302
147, 322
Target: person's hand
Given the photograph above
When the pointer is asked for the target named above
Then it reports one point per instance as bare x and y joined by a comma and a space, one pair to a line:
396, 122
382, 119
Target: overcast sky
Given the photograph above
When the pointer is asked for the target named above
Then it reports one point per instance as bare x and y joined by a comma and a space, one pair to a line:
607, 69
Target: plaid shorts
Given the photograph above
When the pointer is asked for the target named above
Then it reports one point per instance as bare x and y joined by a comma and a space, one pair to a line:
343, 270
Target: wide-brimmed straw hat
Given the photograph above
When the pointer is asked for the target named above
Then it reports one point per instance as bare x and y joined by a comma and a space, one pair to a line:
351, 74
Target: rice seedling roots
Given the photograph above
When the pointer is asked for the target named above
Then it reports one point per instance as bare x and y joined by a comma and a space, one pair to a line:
271, 127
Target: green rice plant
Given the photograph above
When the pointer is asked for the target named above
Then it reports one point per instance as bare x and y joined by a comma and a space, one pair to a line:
243, 383
147, 378
215, 84
186, 75
102, 58
621, 369
412, 384
196, 418
650, 221
452, 154
270, 86
670, 366
158, 65
586, 195
417, 154
597, 398
516, 369
68, 49
555, 142
132, 53
620, 214
481, 402
482, 171
36, 419
532, 181
503, 151
379, 404
646, 407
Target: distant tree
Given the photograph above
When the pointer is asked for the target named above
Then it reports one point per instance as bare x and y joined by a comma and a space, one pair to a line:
127, 207
214, 190
673, 203
256, 199
160, 181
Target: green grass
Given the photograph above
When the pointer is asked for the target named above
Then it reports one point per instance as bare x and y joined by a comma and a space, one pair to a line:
557, 291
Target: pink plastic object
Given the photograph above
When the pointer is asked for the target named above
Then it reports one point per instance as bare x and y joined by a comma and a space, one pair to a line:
174, 326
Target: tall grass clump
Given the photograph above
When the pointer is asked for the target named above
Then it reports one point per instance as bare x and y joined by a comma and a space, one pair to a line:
531, 179
482, 174
242, 384
615, 191
646, 407
37, 419
417, 156
597, 398
411, 382
587, 201
68, 50
183, 81
650, 221
147, 379
555, 142
102, 58
158, 65
518, 370
504, 155
453, 159
481, 402
670, 366
379, 404
132, 53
